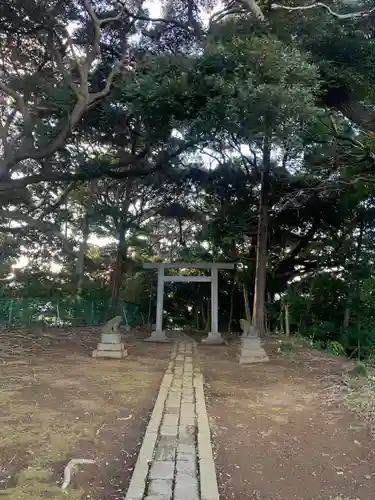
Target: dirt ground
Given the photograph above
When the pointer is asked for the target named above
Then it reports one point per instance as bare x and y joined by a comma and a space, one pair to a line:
283, 430
289, 429
63, 404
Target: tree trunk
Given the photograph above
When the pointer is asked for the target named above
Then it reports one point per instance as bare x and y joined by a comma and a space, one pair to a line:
80, 267
267, 315
287, 323
203, 315
245, 293
121, 254
196, 314
119, 265
354, 281
347, 316
262, 239
231, 307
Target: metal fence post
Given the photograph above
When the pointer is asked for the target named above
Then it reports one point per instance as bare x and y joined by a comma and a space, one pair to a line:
92, 313
58, 312
10, 313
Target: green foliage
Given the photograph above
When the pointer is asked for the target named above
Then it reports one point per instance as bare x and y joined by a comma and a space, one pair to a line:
334, 347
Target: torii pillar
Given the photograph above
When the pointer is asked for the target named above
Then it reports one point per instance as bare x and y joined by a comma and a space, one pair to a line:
214, 336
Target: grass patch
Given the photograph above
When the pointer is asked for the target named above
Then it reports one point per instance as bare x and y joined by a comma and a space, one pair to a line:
34, 483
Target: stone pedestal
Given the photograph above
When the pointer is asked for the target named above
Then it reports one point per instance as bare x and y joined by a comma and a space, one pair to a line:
110, 346
251, 351
158, 336
111, 338
213, 339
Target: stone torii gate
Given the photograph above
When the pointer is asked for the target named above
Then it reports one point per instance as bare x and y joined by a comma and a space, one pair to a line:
214, 337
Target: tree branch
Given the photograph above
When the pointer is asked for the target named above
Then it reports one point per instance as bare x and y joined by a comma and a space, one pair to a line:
218, 16
254, 8
59, 201
349, 15
174, 22
96, 24
4, 130
118, 171
39, 225
108, 84
21, 106
10, 92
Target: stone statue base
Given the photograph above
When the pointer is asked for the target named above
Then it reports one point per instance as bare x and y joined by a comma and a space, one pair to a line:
251, 351
213, 339
110, 345
110, 350
103, 352
158, 336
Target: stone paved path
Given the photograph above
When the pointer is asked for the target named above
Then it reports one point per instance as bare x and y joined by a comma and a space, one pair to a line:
175, 461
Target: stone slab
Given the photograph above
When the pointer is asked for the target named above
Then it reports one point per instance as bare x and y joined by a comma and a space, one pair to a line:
172, 410
110, 354
168, 430
186, 439
186, 452
186, 430
110, 347
186, 467
110, 338
170, 420
162, 469
165, 452
160, 488
187, 421
213, 339
250, 342
254, 357
186, 487
251, 352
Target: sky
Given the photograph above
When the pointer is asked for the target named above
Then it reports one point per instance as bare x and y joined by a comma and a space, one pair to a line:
155, 7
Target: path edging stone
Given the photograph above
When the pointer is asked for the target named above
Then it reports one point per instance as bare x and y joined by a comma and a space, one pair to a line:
137, 487
208, 481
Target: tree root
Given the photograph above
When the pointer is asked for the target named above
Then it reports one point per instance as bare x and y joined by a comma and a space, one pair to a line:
69, 469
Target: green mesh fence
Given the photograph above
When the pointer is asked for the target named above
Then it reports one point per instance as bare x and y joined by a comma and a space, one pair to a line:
20, 313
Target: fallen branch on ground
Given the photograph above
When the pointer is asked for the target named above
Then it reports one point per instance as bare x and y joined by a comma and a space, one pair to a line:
100, 428
8, 362
124, 418
69, 469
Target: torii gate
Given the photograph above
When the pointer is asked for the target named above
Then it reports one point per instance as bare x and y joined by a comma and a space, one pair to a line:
214, 337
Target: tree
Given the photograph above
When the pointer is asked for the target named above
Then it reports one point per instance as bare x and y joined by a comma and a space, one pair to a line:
333, 38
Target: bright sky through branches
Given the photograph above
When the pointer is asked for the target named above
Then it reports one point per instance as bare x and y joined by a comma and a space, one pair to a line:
154, 7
